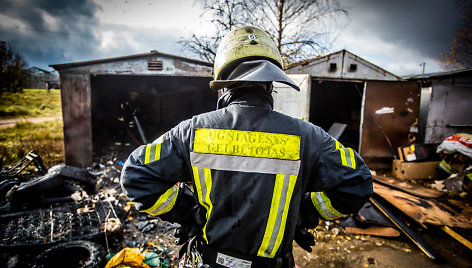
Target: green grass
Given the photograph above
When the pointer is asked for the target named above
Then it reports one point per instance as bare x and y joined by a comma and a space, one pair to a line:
46, 138
30, 103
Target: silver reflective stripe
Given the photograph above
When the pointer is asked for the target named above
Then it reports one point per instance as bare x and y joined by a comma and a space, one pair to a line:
274, 232
323, 207
167, 204
245, 164
280, 210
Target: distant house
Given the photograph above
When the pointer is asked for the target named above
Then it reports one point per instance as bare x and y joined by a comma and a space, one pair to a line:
39, 78
342, 65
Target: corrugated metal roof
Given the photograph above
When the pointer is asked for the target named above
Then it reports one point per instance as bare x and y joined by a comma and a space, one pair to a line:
39, 69
436, 74
305, 62
154, 52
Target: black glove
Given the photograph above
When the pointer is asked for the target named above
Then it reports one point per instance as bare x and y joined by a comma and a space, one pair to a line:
187, 213
307, 219
304, 238
308, 216
191, 228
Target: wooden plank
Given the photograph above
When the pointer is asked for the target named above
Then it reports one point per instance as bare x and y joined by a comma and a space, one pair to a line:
77, 117
448, 212
374, 230
408, 187
457, 237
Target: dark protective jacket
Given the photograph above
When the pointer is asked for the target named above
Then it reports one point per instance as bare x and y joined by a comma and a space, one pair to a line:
250, 168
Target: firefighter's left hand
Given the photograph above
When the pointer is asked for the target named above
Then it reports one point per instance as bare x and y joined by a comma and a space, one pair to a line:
190, 228
304, 238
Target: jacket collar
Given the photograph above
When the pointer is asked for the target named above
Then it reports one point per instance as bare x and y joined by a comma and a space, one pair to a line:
246, 97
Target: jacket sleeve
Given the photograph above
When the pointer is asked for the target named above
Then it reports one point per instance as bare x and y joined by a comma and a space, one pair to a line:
152, 174
345, 180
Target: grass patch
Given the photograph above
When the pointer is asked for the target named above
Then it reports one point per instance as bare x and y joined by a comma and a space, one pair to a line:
30, 103
46, 138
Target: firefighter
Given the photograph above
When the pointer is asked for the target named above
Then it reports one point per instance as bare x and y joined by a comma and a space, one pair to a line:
259, 178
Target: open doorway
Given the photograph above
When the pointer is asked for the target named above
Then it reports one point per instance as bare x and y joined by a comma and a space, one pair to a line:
337, 102
130, 110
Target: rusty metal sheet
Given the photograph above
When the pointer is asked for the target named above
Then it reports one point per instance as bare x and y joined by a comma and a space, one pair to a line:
76, 114
449, 212
389, 110
408, 187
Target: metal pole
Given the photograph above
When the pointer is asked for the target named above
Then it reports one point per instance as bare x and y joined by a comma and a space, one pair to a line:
140, 129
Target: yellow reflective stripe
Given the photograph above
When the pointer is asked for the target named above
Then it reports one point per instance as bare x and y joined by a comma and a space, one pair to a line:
323, 205
208, 182
147, 154
346, 153
165, 202
153, 153
157, 154
279, 180
247, 143
343, 157
199, 186
338, 145
327, 203
315, 202
203, 192
280, 235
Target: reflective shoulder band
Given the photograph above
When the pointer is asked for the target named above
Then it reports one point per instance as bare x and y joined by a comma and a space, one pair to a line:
153, 150
347, 156
165, 202
322, 203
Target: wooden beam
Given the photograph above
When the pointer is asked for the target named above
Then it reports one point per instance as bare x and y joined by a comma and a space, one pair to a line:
457, 237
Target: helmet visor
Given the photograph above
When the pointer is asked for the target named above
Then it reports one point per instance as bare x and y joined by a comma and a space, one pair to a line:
254, 71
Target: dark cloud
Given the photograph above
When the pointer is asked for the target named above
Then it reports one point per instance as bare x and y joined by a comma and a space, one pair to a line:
40, 43
76, 34
425, 25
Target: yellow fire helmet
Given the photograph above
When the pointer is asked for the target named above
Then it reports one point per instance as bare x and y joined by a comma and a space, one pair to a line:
247, 54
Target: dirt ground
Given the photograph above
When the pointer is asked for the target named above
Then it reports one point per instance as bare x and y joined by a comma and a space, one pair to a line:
333, 248
343, 250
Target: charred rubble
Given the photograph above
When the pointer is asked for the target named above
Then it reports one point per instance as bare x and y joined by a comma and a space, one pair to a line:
72, 217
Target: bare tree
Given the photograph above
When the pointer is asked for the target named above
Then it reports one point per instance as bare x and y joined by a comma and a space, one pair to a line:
12, 69
226, 15
459, 55
299, 28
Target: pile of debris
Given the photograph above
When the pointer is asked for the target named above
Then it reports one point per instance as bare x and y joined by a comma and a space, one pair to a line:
427, 191
73, 217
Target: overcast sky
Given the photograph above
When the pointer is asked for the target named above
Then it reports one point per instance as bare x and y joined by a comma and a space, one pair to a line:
397, 35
